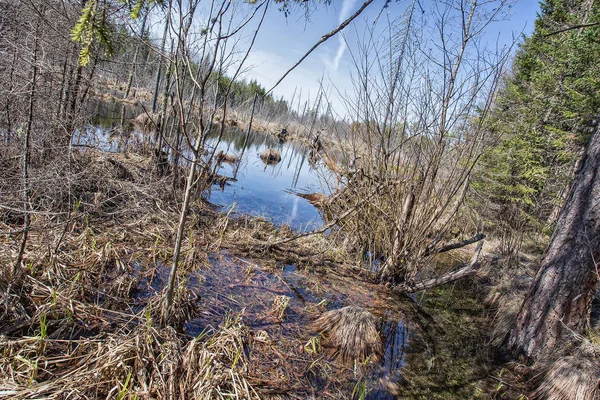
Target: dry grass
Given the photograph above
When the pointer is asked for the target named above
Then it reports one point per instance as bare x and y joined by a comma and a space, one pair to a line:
145, 122
226, 158
147, 362
280, 304
569, 378
318, 200
351, 332
271, 156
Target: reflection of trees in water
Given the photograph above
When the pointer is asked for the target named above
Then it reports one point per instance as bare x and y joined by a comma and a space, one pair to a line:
108, 113
236, 138
294, 155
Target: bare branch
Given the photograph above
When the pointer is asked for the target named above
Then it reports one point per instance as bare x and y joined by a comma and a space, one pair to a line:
455, 275
323, 39
457, 245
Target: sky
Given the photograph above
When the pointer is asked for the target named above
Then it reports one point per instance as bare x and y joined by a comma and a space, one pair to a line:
283, 40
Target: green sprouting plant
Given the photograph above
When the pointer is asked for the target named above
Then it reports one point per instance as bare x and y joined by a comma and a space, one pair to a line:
231, 320
125, 389
313, 346
43, 328
148, 316
30, 267
32, 365
201, 335
236, 358
77, 205
360, 390
154, 249
75, 280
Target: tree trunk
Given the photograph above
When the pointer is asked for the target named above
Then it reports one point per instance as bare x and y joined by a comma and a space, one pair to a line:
559, 299
160, 57
26, 158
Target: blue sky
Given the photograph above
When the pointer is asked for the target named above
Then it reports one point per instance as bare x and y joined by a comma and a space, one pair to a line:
282, 41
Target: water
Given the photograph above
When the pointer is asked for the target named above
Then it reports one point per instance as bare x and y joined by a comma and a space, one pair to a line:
233, 286
258, 189
264, 190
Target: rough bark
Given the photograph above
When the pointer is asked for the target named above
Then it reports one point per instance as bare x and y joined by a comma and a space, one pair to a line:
559, 299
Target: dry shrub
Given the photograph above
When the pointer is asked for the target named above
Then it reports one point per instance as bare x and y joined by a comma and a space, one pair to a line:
352, 332
569, 378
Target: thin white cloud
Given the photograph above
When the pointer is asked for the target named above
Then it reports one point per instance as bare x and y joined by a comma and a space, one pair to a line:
347, 7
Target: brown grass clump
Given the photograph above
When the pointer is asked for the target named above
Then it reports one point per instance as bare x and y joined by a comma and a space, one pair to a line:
318, 200
226, 158
280, 304
145, 122
271, 156
217, 368
146, 363
569, 378
352, 332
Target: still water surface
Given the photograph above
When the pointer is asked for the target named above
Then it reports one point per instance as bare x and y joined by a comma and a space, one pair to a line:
258, 189
263, 189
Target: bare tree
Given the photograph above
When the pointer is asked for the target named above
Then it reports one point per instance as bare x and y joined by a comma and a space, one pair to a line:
422, 95
218, 32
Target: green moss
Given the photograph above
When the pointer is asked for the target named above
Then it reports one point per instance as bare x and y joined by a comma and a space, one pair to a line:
456, 362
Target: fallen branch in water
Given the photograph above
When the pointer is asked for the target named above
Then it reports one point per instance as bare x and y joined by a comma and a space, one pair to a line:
455, 275
329, 225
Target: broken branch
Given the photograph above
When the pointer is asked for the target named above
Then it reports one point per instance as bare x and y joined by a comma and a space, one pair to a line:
460, 273
457, 245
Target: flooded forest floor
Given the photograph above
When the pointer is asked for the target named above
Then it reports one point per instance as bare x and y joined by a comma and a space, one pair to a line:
84, 319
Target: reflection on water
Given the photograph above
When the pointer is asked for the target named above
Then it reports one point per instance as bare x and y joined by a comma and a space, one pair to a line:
261, 189
104, 131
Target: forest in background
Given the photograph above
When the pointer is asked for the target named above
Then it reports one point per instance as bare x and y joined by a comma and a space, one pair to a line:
495, 147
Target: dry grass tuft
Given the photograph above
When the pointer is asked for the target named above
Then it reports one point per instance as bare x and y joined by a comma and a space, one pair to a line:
217, 368
145, 122
352, 333
318, 200
280, 304
226, 158
271, 156
569, 378
183, 309
147, 362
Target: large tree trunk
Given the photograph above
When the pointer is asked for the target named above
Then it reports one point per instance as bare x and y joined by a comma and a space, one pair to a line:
560, 297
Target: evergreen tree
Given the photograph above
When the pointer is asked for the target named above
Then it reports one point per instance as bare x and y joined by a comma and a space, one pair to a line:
544, 115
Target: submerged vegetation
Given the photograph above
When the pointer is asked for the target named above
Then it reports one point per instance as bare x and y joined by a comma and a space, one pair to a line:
423, 275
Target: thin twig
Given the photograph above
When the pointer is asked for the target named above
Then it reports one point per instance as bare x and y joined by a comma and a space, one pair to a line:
323, 39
